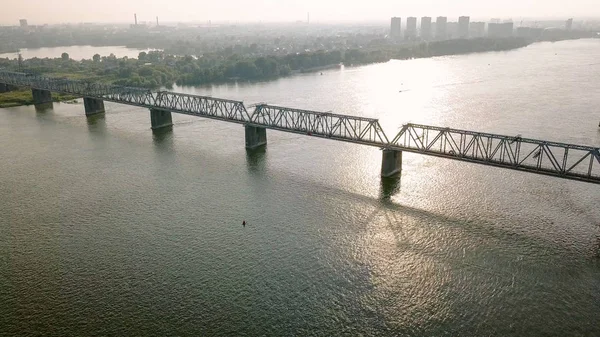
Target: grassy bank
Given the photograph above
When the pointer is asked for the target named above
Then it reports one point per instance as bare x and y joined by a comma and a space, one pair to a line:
24, 97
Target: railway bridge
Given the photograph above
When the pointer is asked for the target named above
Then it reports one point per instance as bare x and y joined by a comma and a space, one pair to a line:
560, 160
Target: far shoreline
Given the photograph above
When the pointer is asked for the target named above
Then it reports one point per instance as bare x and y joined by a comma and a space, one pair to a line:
19, 97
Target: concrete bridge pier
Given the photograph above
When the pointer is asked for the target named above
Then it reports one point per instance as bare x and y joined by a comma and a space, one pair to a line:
4, 88
93, 106
391, 163
255, 136
41, 98
160, 118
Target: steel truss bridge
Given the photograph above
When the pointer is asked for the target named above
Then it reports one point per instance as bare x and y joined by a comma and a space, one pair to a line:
561, 160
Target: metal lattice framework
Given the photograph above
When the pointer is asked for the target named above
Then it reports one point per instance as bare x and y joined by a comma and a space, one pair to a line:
320, 124
14, 78
550, 158
217, 108
108, 92
537, 156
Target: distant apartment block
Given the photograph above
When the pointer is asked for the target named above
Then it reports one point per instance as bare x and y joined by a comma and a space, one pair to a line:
500, 29
426, 28
463, 27
23, 23
530, 32
411, 28
477, 29
440, 27
451, 30
396, 28
523, 32
569, 24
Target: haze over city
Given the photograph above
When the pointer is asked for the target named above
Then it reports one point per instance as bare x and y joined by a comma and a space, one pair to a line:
300, 167
109, 11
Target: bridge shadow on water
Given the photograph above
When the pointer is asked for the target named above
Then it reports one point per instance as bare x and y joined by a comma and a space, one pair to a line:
403, 221
160, 135
45, 107
96, 121
43, 112
389, 187
163, 138
97, 129
256, 160
395, 214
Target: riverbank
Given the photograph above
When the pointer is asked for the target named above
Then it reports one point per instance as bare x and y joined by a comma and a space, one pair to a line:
24, 97
315, 69
476, 246
156, 69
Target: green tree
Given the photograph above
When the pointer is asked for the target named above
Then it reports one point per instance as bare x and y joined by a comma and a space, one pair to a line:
246, 70
145, 71
96, 58
267, 66
64, 56
142, 56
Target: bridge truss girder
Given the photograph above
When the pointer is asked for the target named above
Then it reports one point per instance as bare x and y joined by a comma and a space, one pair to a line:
109, 92
550, 158
216, 108
321, 124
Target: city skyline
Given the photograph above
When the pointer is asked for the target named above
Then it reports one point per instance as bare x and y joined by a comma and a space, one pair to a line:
39, 12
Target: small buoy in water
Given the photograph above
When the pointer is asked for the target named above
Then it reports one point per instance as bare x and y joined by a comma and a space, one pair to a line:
244, 223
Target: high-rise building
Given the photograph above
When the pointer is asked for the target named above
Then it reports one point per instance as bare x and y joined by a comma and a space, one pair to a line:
524, 32
451, 30
426, 28
411, 28
537, 32
477, 29
500, 29
23, 23
396, 28
463, 27
569, 24
440, 27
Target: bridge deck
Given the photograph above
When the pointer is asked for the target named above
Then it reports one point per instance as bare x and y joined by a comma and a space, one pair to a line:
562, 160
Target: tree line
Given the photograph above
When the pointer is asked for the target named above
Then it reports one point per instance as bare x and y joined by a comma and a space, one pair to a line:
159, 69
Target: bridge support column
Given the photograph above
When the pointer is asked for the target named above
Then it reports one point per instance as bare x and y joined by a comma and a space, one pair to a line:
391, 163
93, 106
4, 87
160, 118
41, 97
255, 136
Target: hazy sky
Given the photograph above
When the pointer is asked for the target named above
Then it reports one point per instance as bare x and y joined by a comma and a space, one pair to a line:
59, 11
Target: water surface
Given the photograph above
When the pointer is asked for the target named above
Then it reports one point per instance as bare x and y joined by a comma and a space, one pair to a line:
109, 229
75, 52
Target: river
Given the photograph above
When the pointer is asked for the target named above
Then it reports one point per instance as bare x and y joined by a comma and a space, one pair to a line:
75, 52
109, 229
